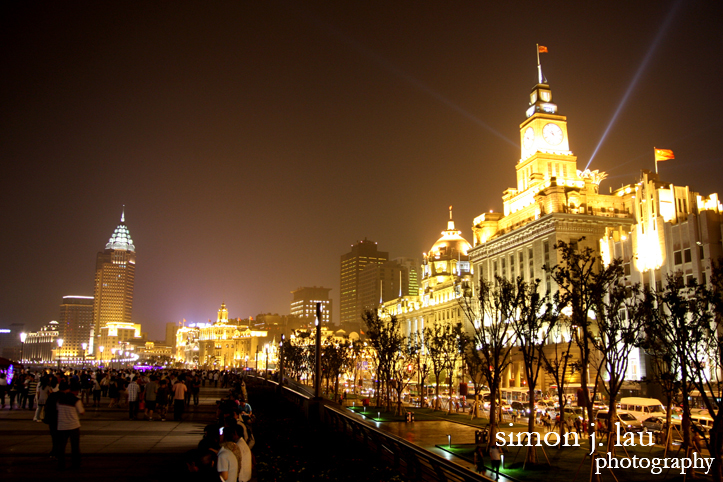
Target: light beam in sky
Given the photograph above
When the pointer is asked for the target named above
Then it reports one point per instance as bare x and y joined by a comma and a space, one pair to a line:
646, 60
369, 54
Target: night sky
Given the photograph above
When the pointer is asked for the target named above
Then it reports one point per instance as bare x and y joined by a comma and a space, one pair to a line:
253, 142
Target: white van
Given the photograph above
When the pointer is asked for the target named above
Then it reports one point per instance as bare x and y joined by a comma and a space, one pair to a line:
642, 408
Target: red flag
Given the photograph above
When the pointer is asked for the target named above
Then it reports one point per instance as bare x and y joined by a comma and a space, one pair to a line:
663, 155
542, 49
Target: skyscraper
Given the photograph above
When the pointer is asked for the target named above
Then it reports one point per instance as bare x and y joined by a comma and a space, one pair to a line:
75, 326
352, 263
115, 270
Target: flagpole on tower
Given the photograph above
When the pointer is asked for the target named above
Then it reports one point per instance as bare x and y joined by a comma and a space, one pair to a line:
656, 160
539, 67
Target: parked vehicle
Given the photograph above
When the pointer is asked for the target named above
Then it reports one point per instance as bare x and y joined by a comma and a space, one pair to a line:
627, 421
642, 408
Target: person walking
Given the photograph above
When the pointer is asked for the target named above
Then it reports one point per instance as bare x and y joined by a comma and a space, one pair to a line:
179, 395
69, 410
496, 460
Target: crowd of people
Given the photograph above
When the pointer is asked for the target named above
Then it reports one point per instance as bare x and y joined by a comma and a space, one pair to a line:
224, 452
59, 397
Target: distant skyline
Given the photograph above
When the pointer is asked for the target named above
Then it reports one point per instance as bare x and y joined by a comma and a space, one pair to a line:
253, 143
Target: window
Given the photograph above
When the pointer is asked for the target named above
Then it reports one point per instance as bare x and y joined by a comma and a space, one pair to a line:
686, 253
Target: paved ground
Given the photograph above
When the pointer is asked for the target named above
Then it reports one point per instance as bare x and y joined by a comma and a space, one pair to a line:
112, 446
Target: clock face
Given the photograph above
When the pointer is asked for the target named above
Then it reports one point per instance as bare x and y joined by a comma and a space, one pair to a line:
529, 138
552, 134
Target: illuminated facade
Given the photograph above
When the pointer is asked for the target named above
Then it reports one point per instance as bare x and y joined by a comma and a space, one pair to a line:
352, 263
76, 326
676, 230
114, 280
305, 300
221, 345
444, 269
41, 346
379, 283
553, 201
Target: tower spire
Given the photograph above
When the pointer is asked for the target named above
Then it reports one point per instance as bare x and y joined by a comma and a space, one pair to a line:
450, 223
123, 214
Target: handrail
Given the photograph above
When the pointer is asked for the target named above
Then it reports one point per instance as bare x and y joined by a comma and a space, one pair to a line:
412, 461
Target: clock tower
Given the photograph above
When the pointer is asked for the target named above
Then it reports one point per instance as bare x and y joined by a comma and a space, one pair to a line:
545, 148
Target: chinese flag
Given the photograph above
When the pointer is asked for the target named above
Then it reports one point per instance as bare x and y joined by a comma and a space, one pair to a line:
541, 49
663, 155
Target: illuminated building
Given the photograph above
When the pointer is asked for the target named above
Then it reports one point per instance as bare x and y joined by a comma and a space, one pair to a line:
76, 326
305, 300
676, 230
553, 202
227, 343
352, 263
40, 346
445, 268
114, 279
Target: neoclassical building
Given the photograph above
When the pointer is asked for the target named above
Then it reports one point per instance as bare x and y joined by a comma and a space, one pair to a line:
444, 269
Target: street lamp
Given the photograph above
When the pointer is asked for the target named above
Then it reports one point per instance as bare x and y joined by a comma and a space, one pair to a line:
85, 347
100, 349
113, 352
23, 337
60, 345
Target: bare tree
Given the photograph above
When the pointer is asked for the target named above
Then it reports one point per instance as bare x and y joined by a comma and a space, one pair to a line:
385, 336
532, 327
619, 320
438, 341
490, 313
581, 277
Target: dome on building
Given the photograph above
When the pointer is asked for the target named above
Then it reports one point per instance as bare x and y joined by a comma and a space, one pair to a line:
121, 238
451, 241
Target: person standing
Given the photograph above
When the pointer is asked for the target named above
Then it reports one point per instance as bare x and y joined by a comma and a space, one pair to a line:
133, 399
41, 397
195, 388
479, 459
179, 395
3, 388
151, 396
245, 467
69, 410
162, 399
51, 414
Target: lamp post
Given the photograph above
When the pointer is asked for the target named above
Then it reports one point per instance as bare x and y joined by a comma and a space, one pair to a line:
100, 349
113, 358
23, 337
85, 347
60, 345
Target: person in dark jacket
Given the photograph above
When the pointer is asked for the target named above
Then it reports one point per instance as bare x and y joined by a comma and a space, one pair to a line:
51, 415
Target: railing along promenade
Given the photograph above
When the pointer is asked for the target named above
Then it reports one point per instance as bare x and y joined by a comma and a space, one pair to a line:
410, 460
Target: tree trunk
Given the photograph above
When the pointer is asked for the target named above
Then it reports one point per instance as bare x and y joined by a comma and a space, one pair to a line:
531, 450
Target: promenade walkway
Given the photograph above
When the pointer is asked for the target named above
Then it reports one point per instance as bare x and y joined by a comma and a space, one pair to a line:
113, 448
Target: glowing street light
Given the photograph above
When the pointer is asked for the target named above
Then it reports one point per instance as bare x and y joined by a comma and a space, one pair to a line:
59, 341
85, 347
100, 349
